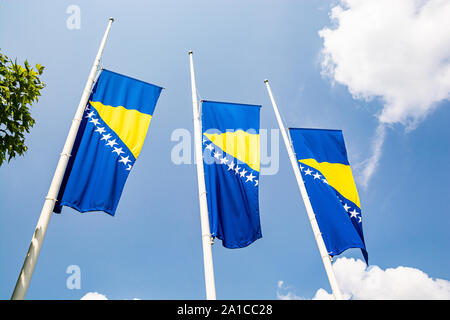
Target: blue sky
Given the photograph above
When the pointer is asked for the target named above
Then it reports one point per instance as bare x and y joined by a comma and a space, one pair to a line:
152, 248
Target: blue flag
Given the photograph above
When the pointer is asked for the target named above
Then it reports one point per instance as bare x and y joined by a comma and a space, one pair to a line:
109, 140
328, 179
231, 163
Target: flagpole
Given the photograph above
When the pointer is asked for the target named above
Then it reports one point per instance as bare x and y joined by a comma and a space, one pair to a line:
29, 264
309, 210
204, 217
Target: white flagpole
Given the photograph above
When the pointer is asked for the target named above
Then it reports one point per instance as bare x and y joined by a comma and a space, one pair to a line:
309, 210
206, 234
38, 237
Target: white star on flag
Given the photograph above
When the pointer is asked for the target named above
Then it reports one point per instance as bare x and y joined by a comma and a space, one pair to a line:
106, 137
111, 143
353, 214
94, 121
301, 168
90, 114
325, 181
231, 166
316, 176
256, 183
118, 151
250, 177
308, 172
223, 161
100, 130
124, 160
243, 172
209, 147
346, 207
237, 169
217, 155
129, 167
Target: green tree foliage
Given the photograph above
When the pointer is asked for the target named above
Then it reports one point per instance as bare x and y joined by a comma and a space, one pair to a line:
20, 87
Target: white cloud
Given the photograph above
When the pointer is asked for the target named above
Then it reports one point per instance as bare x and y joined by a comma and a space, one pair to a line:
285, 292
94, 296
97, 296
398, 51
370, 164
358, 283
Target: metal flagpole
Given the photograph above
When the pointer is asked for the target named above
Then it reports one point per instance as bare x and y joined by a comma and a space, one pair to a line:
206, 235
38, 237
309, 210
